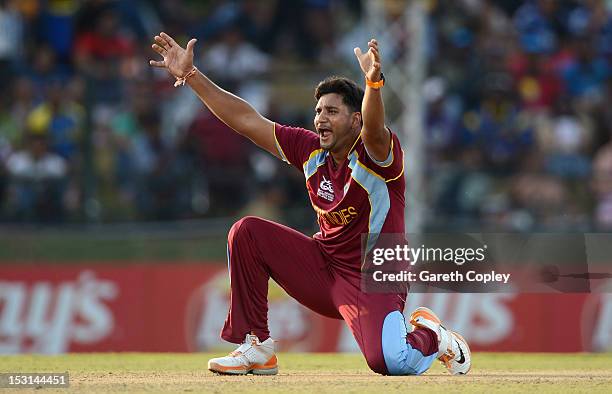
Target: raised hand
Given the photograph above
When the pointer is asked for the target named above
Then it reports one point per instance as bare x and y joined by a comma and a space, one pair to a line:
369, 61
178, 61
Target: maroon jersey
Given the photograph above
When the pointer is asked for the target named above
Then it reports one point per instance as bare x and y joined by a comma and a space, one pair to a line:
360, 196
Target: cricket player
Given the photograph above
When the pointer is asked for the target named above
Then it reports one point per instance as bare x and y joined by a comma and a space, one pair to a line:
354, 171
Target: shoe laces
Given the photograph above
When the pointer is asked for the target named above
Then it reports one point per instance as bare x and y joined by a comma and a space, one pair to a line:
446, 358
250, 341
451, 352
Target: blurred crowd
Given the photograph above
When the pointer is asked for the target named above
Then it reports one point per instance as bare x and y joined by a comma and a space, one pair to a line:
517, 122
518, 118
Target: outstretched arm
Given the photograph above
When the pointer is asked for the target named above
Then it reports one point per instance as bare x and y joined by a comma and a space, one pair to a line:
375, 136
230, 109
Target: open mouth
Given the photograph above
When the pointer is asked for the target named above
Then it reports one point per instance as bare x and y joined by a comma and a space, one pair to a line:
324, 133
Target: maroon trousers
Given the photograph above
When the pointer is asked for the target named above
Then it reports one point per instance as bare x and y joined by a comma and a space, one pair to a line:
259, 249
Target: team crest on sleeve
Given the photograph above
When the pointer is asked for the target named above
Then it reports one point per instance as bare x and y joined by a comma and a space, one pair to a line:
326, 190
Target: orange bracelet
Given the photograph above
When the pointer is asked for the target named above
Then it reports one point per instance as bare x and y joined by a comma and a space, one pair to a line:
376, 85
181, 81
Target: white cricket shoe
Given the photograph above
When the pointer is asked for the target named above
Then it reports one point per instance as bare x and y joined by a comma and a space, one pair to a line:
252, 356
454, 351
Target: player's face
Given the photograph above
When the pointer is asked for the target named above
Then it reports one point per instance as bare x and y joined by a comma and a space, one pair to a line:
335, 123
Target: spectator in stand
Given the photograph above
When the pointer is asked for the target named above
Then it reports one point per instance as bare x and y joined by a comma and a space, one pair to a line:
585, 77
497, 127
11, 39
564, 139
62, 119
441, 119
303, 25
100, 54
536, 81
44, 70
14, 112
232, 57
592, 18
114, 134
55, 27
541, 24
37, 179
507, 81
162, 184
538, 199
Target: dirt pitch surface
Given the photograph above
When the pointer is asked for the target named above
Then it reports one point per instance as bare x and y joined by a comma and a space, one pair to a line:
320, 373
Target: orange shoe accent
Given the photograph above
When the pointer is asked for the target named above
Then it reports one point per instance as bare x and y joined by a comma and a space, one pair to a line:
446, 358
425, 314
214, 367
269, 368
270, 364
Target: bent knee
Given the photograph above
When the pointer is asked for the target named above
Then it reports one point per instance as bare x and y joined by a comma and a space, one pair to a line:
408, 362
399, 357
243, 226
377, 364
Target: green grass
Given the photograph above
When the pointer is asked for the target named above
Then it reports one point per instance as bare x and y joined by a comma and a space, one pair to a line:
338, 373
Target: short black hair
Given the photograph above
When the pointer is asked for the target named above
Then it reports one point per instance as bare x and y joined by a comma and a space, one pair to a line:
352, 94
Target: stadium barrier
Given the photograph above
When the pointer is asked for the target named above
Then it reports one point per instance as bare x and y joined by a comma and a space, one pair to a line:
164, 307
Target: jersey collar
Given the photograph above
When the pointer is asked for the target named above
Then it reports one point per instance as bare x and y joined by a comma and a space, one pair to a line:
354, 145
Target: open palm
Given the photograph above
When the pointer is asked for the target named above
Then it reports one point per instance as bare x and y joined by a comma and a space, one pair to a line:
369, 61
176, 60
